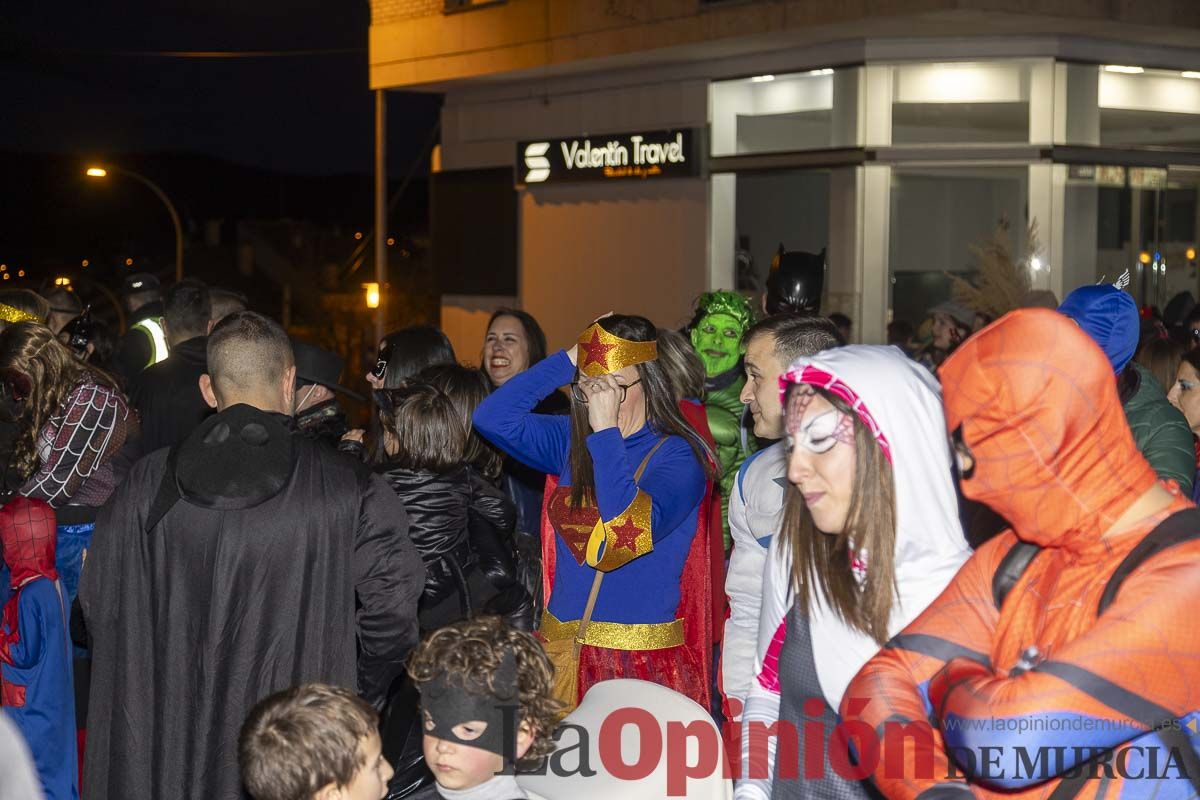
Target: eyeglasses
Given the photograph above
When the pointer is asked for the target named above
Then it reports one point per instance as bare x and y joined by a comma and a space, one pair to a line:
577, 390
381, 361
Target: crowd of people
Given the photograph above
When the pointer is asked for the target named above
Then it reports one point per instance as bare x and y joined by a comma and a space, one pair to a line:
216, 585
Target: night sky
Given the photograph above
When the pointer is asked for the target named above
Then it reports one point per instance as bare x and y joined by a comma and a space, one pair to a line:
73, 82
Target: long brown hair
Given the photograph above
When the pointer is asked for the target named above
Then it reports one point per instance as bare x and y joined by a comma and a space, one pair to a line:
662, 412
821, 560
34, 363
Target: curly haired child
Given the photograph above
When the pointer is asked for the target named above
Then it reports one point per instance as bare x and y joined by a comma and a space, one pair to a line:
486, 704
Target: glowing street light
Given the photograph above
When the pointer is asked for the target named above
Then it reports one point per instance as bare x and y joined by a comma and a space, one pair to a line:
129, 262
101, 172
62, 281
84, 263
20, 274
372, 292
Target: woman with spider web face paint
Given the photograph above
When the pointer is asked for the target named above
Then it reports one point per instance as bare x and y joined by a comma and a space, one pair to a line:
870, 537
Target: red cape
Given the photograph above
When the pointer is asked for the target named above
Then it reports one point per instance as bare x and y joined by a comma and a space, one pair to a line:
700, 606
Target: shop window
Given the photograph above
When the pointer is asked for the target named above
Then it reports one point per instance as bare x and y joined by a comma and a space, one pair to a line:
961, 103
937, 214
1132, 218
780, 113
778, 208
1148, 108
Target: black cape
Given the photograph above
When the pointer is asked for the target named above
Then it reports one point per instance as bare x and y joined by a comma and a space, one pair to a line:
274, 566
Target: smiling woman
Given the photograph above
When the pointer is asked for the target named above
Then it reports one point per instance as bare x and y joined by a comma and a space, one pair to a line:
513, 343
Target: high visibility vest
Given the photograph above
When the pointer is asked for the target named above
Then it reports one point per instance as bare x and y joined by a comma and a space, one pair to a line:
152, 327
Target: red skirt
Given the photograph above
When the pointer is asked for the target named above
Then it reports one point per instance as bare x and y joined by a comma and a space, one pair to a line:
673, 667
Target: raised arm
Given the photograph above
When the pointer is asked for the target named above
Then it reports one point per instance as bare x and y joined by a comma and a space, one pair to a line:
636, 514
891, 692
506, 418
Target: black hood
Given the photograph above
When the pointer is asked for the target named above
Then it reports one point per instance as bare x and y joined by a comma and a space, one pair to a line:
238, 458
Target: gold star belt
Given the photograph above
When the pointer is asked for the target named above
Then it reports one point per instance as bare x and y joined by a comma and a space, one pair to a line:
616, 635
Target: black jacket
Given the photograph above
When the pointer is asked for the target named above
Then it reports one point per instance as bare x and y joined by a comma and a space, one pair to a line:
265, 572
167, 395
463, 527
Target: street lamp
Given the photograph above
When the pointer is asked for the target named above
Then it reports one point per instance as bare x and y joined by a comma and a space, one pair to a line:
102, 172
372, 294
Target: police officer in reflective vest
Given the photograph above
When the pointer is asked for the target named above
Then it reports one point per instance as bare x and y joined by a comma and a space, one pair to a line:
144, 343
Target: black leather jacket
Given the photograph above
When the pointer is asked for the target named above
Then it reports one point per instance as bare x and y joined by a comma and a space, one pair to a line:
459, 523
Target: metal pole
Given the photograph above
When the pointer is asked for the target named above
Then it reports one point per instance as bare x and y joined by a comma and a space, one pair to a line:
381, 210
154, 187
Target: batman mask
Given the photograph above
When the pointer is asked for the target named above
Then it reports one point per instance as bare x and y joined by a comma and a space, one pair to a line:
448, 702
795, 282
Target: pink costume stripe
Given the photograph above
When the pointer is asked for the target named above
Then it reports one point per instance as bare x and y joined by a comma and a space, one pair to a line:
768, 677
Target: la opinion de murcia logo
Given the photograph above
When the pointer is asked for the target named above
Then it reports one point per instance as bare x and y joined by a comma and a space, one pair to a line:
536, 162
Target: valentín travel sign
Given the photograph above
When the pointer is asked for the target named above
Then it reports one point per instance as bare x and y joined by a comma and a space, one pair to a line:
618, 156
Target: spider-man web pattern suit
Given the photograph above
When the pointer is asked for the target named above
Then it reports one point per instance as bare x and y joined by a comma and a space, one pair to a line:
35, 663
1037, 406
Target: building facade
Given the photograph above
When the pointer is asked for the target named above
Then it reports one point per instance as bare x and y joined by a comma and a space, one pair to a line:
662, 149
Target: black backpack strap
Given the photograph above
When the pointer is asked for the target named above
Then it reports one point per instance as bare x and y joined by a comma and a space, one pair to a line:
167, 494
1182, 526
1011, 568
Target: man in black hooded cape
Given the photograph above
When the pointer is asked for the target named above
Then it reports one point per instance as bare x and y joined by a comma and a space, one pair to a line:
243, 561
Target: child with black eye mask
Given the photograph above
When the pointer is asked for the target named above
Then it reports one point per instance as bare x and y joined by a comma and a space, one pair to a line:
486, 707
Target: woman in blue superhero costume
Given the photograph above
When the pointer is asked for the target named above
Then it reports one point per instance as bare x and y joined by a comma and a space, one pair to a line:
627, 479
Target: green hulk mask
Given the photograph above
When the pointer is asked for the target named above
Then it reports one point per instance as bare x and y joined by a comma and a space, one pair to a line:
717, 335
721, 319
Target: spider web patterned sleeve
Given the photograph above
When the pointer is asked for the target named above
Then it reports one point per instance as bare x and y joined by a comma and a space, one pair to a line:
80, 440
891, 692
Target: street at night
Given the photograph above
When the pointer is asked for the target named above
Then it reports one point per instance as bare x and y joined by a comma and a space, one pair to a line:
589, 399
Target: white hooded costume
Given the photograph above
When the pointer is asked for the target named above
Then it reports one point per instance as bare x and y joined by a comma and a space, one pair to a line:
900, 402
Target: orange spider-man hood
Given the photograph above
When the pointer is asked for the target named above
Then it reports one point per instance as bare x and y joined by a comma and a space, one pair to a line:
1038, 407
27, 540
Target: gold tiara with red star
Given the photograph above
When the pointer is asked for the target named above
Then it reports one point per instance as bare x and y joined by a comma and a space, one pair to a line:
602, 353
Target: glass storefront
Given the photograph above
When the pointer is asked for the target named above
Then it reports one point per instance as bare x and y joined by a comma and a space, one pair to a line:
937, 215
949, 150
808, 110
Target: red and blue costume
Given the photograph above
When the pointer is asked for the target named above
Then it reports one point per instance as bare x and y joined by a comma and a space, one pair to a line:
643, 625
1025, 684
35, 652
